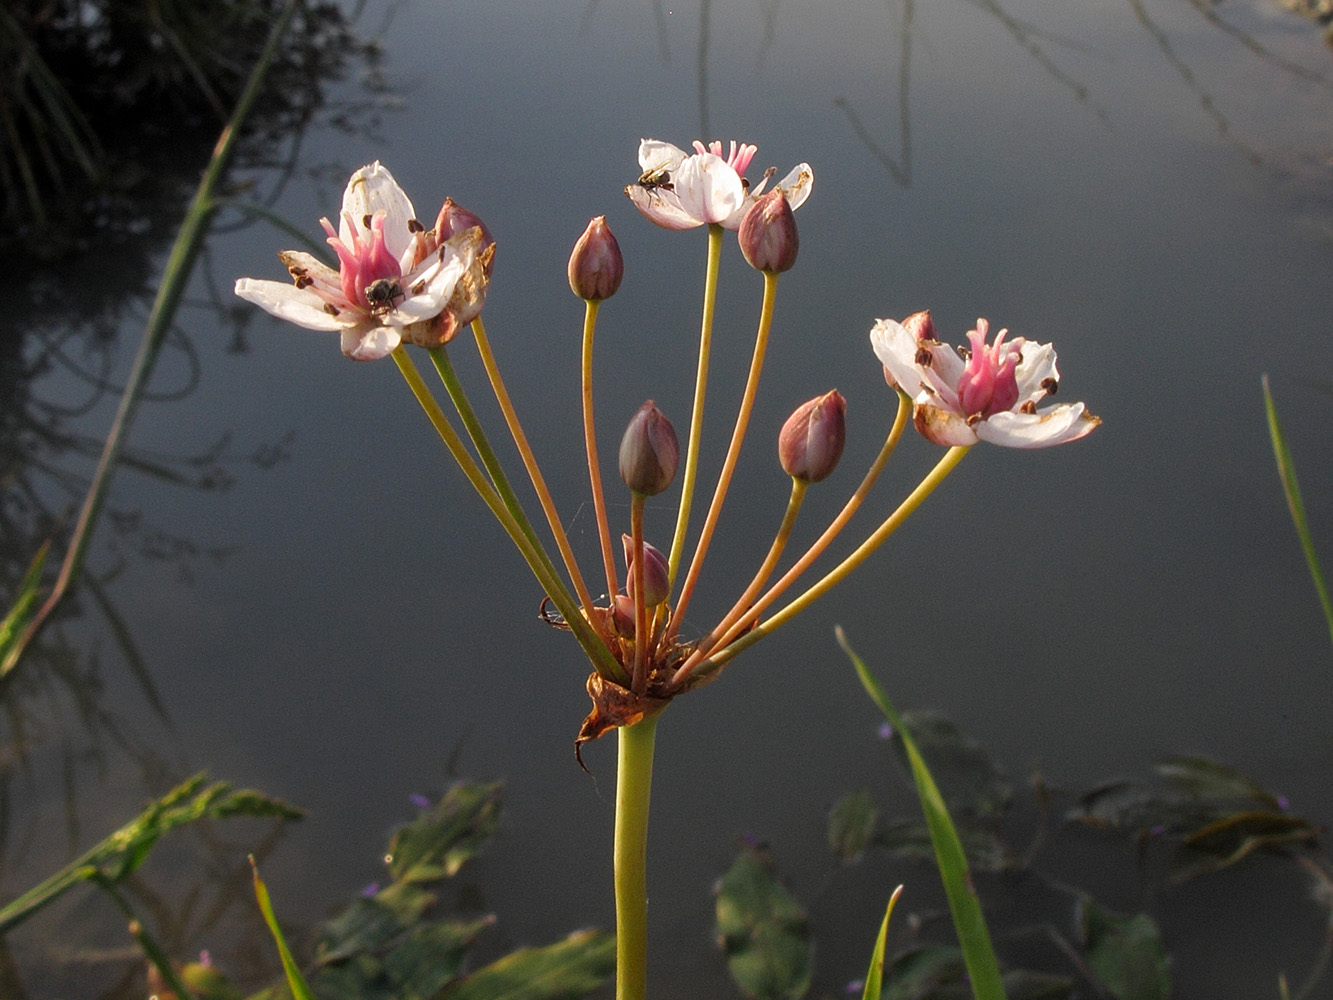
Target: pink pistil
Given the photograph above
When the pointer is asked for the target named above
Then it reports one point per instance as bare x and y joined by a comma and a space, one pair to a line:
364, 262
988, 384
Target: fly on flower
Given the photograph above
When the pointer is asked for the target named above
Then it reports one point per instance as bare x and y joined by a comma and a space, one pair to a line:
395, 281
679, 190
989, 393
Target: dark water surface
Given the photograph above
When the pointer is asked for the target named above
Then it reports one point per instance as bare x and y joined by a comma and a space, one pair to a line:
1147, 185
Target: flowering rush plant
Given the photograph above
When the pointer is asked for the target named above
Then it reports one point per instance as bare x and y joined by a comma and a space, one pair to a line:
399, 283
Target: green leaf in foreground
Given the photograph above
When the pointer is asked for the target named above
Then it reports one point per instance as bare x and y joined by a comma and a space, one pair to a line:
1124, 952
120, 855
295, 981
566, 970
970, 924
763, 931
440, 841
1287, 473
875, 976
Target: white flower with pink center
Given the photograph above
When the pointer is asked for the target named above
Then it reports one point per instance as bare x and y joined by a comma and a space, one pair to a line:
679, 190
395, 279
989, 393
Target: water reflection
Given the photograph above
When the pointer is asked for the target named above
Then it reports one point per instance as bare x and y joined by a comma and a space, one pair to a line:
62, 371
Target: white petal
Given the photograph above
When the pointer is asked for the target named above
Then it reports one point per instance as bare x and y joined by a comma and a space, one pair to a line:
943, 425
797, 184
370, 341
372, 189
440, 279
314, 268
661, 207
1037, 366
709, 190
295, 305
655, 154
897, 350
1053, 425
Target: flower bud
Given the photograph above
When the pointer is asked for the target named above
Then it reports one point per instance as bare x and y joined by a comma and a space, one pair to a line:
595, 266
622, 616
768, 233
920, 326
812, 438
649, 452
454, 219
656, 585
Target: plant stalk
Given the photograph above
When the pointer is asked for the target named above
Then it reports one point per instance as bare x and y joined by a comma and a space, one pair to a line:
634, 781
700, 391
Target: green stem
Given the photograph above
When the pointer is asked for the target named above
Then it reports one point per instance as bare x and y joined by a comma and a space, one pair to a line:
444, 367
836, 575
811, 554
634, 785
151, 949
733, 450
530, 462
700, 391
602, 660
590, 445
742, 605
638, 677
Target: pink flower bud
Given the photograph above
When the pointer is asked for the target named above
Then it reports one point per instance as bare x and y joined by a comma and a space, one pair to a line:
656, 585
595, 266
812, 439
454, 219
622, 616
920, 326
768, 235
649, 452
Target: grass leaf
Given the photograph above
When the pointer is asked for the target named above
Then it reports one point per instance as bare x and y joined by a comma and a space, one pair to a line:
875, 975
295, 980
969, 922
1287, 473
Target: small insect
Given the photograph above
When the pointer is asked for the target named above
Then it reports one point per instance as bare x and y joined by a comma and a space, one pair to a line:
382, 294
657, 177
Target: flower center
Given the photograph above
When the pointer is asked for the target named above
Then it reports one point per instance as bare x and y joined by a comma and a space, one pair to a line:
988, 384
367, 270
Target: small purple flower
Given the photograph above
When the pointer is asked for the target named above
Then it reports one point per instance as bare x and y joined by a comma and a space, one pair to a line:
885, 731
370, 891
1284, 803
420, 801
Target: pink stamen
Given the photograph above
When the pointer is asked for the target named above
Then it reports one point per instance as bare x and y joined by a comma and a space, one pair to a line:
738, 157
988, 384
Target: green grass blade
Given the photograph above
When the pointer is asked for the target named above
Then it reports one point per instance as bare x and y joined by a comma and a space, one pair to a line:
968, 920
875, 976
12, 627
1287, 473
297, 983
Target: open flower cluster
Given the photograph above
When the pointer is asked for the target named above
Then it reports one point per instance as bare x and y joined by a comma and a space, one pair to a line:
398, 283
